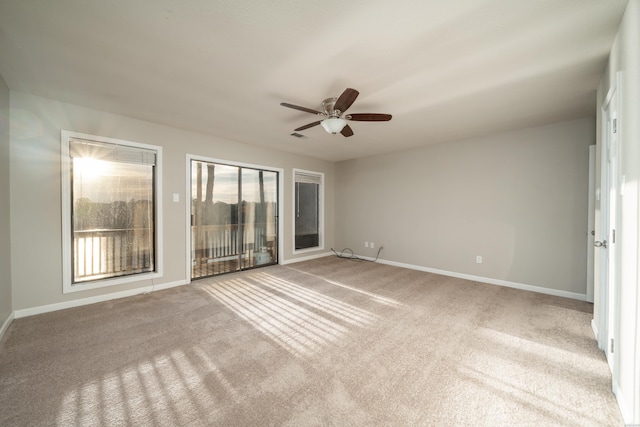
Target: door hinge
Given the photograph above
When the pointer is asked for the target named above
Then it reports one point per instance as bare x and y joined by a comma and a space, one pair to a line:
611, 351
613, 236
615, 125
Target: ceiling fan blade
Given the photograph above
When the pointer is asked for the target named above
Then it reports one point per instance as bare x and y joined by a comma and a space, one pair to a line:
305, 109
310, 125
368, 117
346, 99
346, 131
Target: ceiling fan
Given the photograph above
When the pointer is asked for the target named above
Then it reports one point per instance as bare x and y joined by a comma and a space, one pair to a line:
333, 113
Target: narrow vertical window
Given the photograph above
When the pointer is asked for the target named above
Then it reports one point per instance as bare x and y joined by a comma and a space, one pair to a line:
111, 211
308, 210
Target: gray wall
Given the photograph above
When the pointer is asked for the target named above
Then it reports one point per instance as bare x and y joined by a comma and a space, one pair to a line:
625, 59
5, 224
518, 199
36, 192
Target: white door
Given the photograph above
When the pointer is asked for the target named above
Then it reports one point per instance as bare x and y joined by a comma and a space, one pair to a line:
605, 242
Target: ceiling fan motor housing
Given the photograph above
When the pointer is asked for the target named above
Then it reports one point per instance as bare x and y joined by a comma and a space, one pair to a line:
328, 107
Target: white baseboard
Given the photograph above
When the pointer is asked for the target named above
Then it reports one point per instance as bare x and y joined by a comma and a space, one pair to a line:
531, 288
123, 294
6, 324
92, 300
306, 258
111, 296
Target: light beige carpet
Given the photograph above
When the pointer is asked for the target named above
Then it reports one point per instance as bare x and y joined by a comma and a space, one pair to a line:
324, 342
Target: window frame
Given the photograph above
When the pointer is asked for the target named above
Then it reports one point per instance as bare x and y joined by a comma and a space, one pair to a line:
67, 257
320, 246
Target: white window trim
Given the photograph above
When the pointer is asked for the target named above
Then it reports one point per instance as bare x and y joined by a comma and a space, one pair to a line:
67, 285
320, 246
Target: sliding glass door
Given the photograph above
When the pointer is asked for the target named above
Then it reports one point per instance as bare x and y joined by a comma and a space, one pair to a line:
234, 223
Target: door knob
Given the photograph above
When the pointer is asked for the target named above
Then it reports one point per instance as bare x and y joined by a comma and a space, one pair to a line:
602, 244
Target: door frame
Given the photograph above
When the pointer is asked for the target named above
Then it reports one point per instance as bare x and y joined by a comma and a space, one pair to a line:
591, 227
200, 158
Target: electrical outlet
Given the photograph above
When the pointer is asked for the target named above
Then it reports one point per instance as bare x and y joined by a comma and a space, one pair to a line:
372, 245
366, 244
478, 259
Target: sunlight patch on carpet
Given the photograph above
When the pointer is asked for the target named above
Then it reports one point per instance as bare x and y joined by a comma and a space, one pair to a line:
332, 306
375, 297
526, 376
167, 390
299, 320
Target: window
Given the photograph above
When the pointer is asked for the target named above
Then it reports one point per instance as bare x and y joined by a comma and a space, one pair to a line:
308, 192
110, 211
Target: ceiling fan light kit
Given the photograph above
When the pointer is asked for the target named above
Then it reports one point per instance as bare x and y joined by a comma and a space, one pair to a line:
333, 124
335, 121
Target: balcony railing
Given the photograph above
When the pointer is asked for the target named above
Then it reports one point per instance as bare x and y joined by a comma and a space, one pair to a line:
99, 254
218, 249
215, 249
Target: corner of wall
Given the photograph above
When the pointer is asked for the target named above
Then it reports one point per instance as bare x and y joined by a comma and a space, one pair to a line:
6, 298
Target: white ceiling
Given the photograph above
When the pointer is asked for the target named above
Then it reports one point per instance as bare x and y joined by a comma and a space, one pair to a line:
446, 69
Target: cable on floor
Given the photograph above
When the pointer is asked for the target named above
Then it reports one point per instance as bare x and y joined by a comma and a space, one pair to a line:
355, 257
